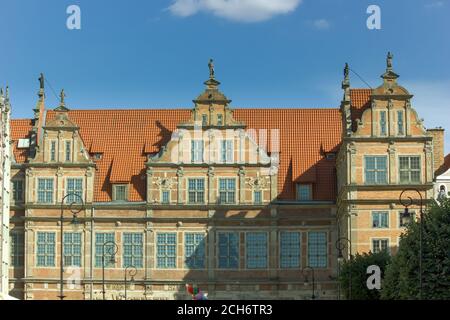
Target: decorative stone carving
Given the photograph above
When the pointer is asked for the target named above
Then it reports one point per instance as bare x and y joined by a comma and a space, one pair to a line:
29, 172
60, 172
211, 172
241, 171
258, 183
180, 172
164, 183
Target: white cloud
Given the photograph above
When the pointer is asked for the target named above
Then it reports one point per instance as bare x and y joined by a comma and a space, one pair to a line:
321, 24
435, 4
237, 10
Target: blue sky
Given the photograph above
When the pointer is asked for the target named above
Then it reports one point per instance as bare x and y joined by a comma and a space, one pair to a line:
278, 53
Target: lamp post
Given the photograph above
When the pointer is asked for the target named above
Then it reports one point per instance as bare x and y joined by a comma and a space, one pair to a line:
407, 201
112, 250
129, 270
75, 223
341, 244
313, 281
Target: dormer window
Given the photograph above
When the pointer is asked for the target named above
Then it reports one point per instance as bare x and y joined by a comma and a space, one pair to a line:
204, 120
304, 192
330, 156
120, 192
97, 156
220, 120
68, 150
383, 128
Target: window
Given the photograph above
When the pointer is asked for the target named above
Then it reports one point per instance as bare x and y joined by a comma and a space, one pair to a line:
53, 151
257, 197
72, 249
197, 150
380, 219
17, 249
219, 120
104, 241
165, 196
45, 249
228, 250
383, 131
204, 120
196, 190
45, 190
120, 192
133, 250
68, 150
74, 190
166, 247
400, 123
379, 245
194, 250
410, 169
17, 190
226, 151
376, 169
317, 249
256, 249
227, 190
290, 249
304, 192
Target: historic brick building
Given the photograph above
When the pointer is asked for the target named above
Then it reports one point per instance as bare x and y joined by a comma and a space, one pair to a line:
245, 203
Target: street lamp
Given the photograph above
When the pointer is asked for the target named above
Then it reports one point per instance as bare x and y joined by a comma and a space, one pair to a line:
131, 271
313, 281
75, 225
341, 244
407, 201
112, 250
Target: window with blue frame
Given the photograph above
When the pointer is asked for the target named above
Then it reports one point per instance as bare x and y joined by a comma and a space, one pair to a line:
197, 150
165, 196
72, 249
45, 190
383, 127
226, 151
317, 249
17, 249
227, 190
304, 192
196, 190
289, 249
166, 250
375, 169
53, 151
380, 219
68, 150
45, 249
101, 239
228, 243
74, 190
256, 250
257, 197
132, 249
194, 250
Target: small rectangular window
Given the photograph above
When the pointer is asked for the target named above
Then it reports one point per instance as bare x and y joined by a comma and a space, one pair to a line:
379, 245
197, 151
383, 128
165, 196
53, 151
409, 169
376, 169
68, 150
120, 193
257, 196
400, 123
45, 190
17, 190
380, 219
304, 192
227, 190
196, 190
219, 120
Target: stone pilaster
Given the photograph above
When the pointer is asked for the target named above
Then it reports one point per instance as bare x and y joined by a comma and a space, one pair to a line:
392, 179
180, 174
210, 185
241, 174
149, 184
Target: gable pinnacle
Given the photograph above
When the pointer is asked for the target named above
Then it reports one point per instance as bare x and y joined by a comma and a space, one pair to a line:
389, 58
62, 95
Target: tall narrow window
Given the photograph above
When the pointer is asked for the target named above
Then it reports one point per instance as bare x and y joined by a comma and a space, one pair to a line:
197, 150
132, 249
380, 219
53, 151
304, 192
45, 249
196, 190
400, 123
227, 190
68, 150
204, 120
166, 250
376, 169
45, 190
17, 190
104, 241
228, 250
72, 249
219, 120
257, 196
74, 190
256, 250
409, 169
165, 196
226, 151
317, 249
379, 245
17, 249
383, 128
194, 250
290, 249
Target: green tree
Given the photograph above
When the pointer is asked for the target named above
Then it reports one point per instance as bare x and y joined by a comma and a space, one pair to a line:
354, 271
402, 275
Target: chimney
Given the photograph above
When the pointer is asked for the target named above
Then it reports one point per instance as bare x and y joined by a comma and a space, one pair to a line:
438, 149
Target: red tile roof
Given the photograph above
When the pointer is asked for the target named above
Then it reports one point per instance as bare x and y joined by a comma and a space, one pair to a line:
20, 128
360, 99
446, 162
